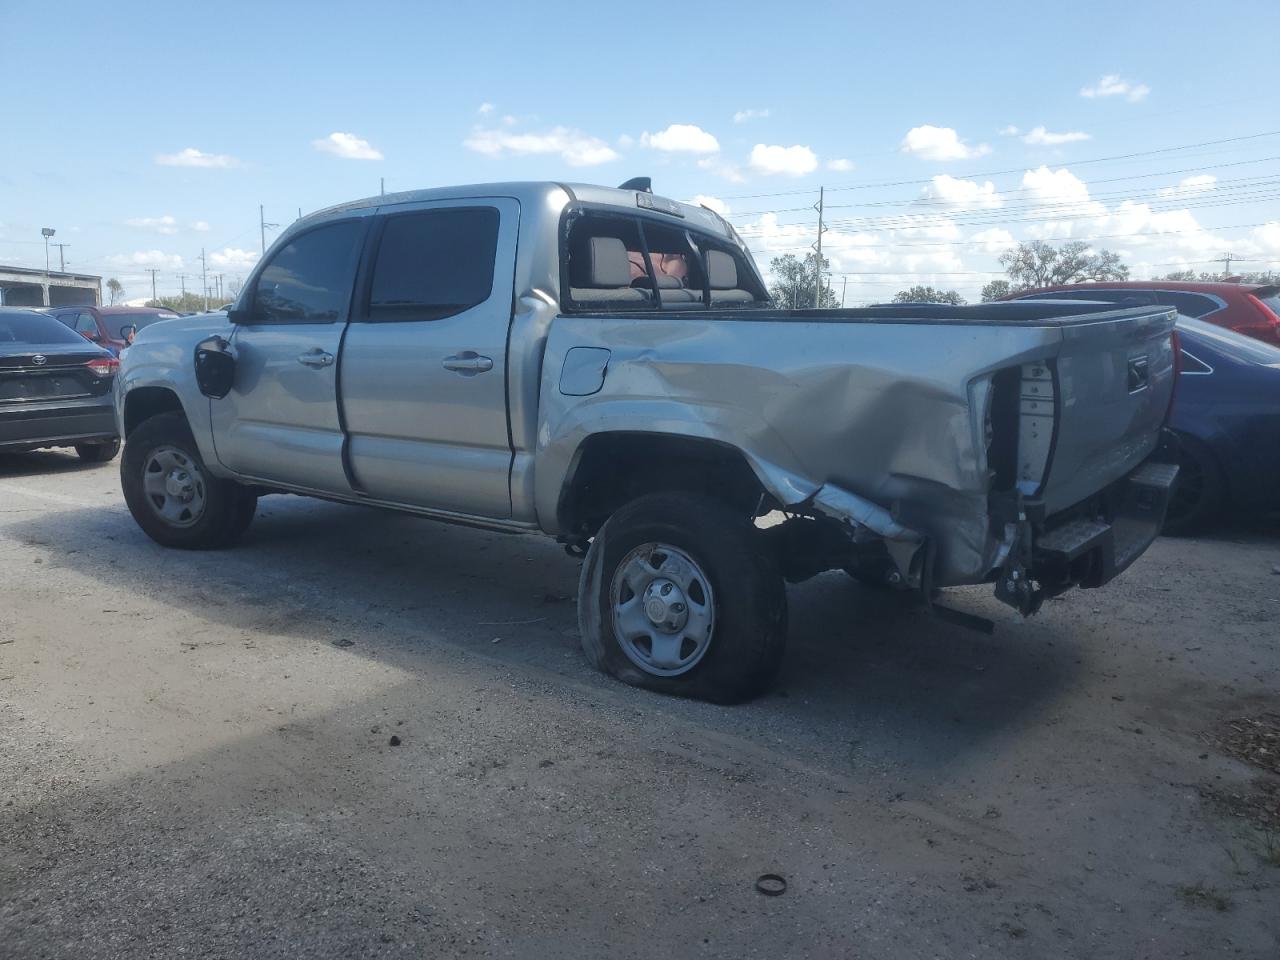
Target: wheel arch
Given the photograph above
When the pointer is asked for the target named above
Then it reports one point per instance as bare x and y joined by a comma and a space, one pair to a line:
143, 403
611, 468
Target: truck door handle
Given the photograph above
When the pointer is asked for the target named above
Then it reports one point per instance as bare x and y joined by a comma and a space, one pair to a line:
316, 358
468, 363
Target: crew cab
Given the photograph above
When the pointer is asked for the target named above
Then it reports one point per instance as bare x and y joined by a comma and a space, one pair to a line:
605, 366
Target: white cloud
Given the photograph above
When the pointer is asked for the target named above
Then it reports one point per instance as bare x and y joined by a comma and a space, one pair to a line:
573, 146
714, 203
1113, 86
146, 258
231, 259
840, 165
742, 116
485, 108
1189, 186
940, 143
191, 157
626, 140
347, 146
961, 194
682, 138
729, 171
1009, 131
165, 225
793, 161
1040, 137
993, 241
199, 226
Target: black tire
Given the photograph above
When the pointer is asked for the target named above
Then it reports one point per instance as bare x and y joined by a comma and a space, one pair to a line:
747, 640
1199, 492
228, 507
98, 452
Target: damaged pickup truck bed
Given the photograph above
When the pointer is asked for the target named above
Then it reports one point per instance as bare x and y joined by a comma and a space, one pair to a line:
604, 366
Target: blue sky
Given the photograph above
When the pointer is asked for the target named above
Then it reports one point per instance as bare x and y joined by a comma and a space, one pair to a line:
755, 105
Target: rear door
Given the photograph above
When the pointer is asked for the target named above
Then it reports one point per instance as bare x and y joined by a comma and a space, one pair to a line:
280, 422
423, 378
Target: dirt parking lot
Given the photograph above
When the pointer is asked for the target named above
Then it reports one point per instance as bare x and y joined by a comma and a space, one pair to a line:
197, 756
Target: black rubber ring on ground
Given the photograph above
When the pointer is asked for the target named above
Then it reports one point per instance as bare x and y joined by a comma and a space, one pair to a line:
771, 884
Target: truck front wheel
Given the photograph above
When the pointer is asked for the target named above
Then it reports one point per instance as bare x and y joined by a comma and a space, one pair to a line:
173, 496
679, 595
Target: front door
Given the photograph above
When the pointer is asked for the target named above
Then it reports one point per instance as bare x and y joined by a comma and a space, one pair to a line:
423, 376
280, 421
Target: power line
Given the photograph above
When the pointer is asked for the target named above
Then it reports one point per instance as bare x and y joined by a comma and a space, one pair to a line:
1000, 173
1011, 192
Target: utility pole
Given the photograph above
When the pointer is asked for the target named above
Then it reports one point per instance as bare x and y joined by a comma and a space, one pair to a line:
263, 226
843, 287
182, 282
204, 279
153, 271
62, 257
817, 263
1226, 264
382, 186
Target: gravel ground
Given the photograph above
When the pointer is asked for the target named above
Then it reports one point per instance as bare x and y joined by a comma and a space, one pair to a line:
196, 756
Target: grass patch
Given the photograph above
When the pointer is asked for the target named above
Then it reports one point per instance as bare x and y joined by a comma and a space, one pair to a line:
1202, 896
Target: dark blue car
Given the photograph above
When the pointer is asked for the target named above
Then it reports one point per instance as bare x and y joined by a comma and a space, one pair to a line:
1227, 415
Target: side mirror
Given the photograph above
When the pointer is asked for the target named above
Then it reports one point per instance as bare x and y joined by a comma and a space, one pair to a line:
215, 367
238, 315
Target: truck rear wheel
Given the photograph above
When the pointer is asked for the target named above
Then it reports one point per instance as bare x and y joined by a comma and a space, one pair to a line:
172, 495
678, 595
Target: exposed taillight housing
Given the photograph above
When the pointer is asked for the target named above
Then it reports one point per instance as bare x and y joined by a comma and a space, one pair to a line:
103, 367
1175, 344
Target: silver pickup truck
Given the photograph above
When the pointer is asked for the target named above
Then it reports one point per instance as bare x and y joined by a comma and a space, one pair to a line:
605, 366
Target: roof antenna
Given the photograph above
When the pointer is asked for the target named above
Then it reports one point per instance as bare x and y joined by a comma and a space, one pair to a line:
643, 184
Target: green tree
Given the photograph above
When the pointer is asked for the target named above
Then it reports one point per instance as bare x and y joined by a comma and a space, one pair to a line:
1257, 276
793, 280
1040, 264
920, 294
996, 289
189, 302
115, 289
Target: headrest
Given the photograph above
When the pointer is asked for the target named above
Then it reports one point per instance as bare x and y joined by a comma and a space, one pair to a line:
608, 263
722, 271
668, 282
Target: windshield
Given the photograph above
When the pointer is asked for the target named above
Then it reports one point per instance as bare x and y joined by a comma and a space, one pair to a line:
119, 324
35, 328
1235, 345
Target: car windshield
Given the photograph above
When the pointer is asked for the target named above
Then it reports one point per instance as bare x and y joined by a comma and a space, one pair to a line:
120, 323
34, 328
1233, 344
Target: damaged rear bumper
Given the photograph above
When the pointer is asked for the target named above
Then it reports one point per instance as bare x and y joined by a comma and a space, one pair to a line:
1089, 545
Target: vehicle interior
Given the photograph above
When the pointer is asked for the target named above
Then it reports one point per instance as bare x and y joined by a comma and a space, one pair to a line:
625, 263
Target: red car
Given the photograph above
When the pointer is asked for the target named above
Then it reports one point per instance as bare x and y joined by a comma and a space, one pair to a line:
110, 327
1243, 307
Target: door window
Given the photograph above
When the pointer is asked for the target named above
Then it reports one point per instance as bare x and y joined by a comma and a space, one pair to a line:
309, 279
434, 264
87, 325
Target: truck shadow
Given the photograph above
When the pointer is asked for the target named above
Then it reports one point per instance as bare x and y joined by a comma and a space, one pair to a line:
884, 677
44, 462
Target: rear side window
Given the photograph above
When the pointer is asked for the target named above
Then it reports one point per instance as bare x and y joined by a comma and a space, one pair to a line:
434, 264
1188, 304
86, 324
623, 263
309, 279
35, 328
